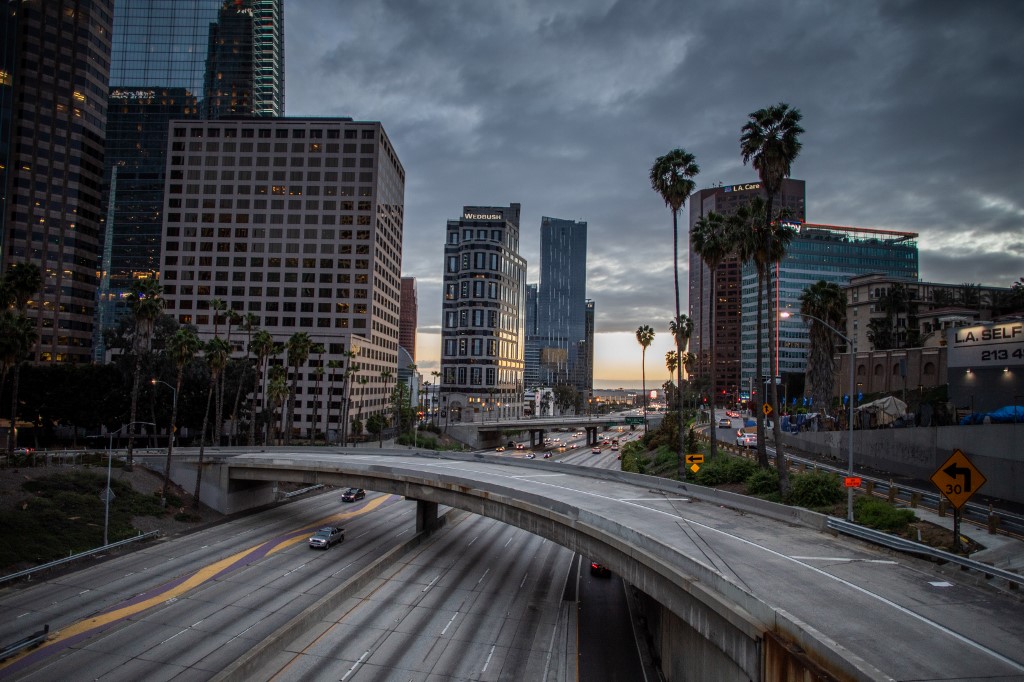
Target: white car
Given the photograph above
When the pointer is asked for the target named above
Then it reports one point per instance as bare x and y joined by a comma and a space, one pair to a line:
747, 440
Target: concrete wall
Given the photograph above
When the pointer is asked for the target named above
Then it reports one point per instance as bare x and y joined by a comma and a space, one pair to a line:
996, 450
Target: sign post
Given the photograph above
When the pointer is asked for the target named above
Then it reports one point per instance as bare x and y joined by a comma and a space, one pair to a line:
957, 479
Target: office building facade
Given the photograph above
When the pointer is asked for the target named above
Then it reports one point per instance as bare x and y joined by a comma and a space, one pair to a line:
531, 340
726, 200
173, 60
408, 314
561, 305
301, 226
827, 253
482, 315
53, 94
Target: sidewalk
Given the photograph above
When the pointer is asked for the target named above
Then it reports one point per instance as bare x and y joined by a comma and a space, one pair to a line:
1000, 551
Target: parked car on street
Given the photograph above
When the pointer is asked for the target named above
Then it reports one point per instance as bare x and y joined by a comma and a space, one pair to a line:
353, 494
327, 536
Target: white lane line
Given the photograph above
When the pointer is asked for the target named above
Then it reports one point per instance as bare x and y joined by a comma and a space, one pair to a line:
472, 541
488, 662
534, 476
483, 576
431, 583
509, 540
23, 615
654, 499
356, 664
450, 623
902, 609
524, 580
845, 559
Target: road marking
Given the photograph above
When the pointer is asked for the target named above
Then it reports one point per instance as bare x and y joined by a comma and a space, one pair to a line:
450, 623
524, 580
356, 664
23, 615
488, 662
431, 583
654, 499
940, 583
509, 540
472, 541
845, 559
483, 576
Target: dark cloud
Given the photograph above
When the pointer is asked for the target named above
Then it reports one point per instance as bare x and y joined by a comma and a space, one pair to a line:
910, 110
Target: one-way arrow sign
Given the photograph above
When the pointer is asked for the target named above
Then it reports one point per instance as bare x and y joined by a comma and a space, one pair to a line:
958, 479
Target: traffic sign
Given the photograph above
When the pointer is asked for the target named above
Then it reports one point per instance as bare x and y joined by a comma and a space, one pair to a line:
635, 420
697, 458
694, 468
767, 409
957, 479
851, 481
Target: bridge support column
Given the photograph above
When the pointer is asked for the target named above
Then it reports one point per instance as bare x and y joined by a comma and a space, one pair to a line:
536, 437
591, 435
426, 516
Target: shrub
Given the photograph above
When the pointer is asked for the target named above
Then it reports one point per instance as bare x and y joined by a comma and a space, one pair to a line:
763, 483
875, 513
815, 489
725, 469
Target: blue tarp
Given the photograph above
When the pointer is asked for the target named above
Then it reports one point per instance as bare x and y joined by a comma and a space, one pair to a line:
1004, 415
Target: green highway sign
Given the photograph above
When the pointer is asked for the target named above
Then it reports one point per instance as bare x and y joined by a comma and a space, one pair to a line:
634, 420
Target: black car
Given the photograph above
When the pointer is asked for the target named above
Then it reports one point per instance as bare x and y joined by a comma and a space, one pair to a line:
599, 570
353, 494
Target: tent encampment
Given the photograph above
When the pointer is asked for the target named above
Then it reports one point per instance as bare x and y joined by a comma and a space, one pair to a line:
885, 410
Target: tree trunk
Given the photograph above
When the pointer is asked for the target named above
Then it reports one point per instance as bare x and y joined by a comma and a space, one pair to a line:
681, 448
134, 409
202, 448
170, 434
762, 446
780, 455
713, 372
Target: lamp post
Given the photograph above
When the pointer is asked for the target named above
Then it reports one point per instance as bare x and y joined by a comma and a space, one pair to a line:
853, 356
107, 492
174, 409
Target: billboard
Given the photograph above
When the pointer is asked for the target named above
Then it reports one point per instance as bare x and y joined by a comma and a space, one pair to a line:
988, 345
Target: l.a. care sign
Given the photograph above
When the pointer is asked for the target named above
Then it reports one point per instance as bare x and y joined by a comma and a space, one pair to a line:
986, 345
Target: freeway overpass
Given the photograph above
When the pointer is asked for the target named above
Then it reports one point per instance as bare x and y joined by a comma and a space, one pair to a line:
488, 434
739, 589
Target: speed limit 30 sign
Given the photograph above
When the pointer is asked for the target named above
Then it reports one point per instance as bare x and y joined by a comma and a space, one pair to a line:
957, 479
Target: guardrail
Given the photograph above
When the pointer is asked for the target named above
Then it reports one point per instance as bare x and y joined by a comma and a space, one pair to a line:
301, 491
1015, 580
37, 637
75, 557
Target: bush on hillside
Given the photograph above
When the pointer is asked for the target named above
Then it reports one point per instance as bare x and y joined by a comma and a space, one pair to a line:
814, 489
875, 513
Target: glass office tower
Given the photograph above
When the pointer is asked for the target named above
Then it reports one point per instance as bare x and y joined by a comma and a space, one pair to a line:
53, 107
174, 60
818, 252
561, 304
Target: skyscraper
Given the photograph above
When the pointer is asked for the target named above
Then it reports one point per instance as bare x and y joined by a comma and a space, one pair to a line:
174, 60
53, 108
407, 316
295, 240
482, 314
560, 335
818, 252
727, 308
531, 340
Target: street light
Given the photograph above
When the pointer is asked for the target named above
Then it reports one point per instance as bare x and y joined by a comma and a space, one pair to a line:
174, 410
853, 356
107, 492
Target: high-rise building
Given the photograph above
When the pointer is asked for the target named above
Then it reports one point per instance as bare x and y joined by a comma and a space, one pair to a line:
172, 61
305, 233
817, 253
531, 340
588, 347
726, 201
482, 315
561, 304
407, 316
53, 108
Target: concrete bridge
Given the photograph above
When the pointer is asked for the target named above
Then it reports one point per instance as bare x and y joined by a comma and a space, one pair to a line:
734, 588
489, 434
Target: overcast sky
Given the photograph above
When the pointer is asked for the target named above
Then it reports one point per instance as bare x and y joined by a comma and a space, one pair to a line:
912, 112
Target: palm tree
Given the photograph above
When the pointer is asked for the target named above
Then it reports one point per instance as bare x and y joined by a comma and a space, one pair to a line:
763, 242
362, 381
346, 390
21, 282
645, 337
681, 329
218, 352
147, 305
277, 393
770, 142
262, 346
385, 376
713, 239
182, 349
299, 347
822, 302
250, 323
331, 365
17, 337
318, 373
437, 392
233, 319
672, 178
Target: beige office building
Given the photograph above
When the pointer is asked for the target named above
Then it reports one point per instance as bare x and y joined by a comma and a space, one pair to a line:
298, 222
